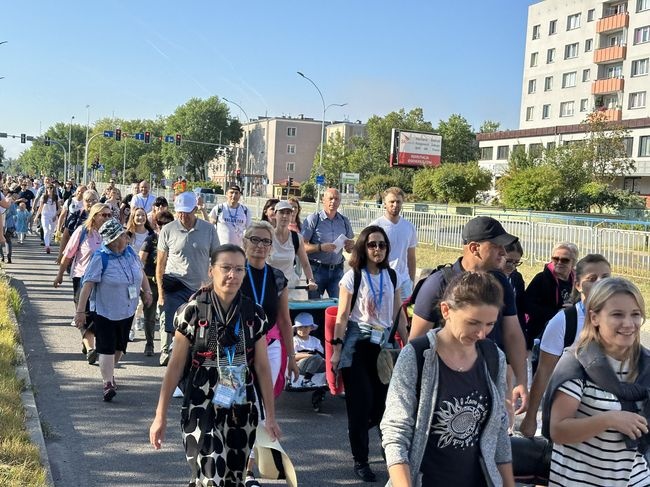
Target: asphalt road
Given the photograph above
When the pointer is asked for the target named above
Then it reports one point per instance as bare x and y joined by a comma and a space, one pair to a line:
91, 443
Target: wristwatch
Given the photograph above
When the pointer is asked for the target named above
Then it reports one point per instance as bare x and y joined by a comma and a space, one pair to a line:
336, 341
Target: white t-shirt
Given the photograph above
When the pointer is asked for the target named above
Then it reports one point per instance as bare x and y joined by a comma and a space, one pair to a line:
146, 202
366, 309
402, 236
281, 257
138, 240
311, 344
73, 205
231, 223
553, 337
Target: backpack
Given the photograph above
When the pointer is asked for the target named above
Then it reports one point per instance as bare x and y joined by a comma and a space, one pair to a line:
220, 210
357, 282
570, 331
296, 245
447, 274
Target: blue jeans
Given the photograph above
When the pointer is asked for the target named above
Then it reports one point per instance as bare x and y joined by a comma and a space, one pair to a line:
173, 301
327, 280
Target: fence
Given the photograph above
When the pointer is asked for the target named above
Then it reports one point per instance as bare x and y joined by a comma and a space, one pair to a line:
628, 251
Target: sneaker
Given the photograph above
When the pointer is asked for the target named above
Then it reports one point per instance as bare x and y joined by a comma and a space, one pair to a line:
47, 250
139, 324
91, 356
307, 383
131, 335
363, 471
177, 392
251, 481
148, 350
72, 323
109, 391
8, 260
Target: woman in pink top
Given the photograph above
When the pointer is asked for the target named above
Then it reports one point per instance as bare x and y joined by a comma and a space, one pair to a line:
78, 251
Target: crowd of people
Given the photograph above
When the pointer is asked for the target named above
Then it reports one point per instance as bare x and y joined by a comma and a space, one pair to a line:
217, 286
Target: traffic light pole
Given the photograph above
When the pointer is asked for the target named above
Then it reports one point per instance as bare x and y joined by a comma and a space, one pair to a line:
86, 156
65, 153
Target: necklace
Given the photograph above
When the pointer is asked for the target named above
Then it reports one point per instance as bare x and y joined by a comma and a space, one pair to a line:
454, 364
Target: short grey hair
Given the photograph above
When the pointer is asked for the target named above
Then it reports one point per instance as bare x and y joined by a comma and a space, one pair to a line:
569, 247
259, 225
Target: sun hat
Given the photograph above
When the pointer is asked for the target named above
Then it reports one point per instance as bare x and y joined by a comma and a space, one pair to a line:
111, 230
185, 202
304, 319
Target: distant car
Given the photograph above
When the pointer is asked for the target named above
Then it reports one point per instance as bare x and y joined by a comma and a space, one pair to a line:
209, 196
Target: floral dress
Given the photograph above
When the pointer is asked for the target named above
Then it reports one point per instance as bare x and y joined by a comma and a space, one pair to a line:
218, 440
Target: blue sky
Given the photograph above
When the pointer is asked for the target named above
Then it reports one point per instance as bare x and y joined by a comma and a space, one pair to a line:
143, 59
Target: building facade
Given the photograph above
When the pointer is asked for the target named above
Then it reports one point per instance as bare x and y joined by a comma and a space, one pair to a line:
581, 56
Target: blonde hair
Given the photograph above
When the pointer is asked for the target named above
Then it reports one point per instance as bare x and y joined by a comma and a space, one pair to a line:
96, 208
602, 292
130, 225
569, 247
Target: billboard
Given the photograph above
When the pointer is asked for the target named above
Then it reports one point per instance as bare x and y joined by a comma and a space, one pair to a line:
414, 149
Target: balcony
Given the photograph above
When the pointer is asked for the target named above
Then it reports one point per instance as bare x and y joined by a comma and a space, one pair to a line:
610, 54
608, 85
613, 22
611, 114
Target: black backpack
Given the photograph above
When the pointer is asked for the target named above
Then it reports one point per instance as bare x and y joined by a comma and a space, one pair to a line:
570, 331
357, 282
447, 274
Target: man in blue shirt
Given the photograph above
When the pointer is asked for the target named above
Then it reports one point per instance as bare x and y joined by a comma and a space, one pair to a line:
319, 232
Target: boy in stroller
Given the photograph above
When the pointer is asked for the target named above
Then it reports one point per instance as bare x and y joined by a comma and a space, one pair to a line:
310, 355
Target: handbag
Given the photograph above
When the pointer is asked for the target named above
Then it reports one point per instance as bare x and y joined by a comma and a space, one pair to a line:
388, 355
531, 459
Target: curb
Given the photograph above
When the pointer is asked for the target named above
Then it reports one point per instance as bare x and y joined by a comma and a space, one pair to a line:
32, 418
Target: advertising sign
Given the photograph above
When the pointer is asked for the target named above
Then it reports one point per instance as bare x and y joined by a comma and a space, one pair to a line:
415, 149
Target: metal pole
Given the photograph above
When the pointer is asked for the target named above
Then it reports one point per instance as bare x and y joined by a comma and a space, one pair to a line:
87, 142
124, 166
248, 121
66, 168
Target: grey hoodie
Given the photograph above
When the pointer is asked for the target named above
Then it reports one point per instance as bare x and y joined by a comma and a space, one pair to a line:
406, 424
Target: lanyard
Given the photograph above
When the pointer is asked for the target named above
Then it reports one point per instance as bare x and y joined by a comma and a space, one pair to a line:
230, 351
233, 218
131, 278
372, 289
250, 277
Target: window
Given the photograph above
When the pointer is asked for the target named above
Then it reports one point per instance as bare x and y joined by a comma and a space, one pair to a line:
615, 40
535, 150
642, 34
590, 15
291, 131
615, 9
529, 113
550, 145
536, 30
642, 5
615, 71
566, 109
519, 149
586, 75
486, 153
291, 167
503, 151
533, 59
573, 22
291, 148
640, 67
644, 146
548, 83
637, 100
546, 111
627, 143
589, 45
571, 50
550, 56
569, 79
584, 105
552, 27
532, 86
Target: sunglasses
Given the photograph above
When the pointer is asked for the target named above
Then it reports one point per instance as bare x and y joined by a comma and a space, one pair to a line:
381, 245
514, 263
106, 215
266, 242
561, 260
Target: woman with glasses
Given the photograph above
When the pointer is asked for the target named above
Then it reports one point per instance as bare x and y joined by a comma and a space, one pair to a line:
550, 290
361, 329
148, 253
267, 287
48, 211
81, 246
221, 409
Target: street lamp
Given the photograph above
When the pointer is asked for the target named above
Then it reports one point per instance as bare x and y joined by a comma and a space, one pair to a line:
322, 125
66, 168
248, 120
87, 142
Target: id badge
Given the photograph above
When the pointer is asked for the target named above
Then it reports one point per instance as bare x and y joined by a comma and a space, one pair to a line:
133, 291
231, 388
224, 395
376, 336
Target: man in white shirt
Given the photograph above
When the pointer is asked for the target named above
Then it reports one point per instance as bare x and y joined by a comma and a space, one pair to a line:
144, 199
403, 240
231, 218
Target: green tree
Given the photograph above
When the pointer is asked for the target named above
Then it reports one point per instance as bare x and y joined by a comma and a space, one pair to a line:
606, 154
458, 140
489, 126
452, 183
534, 188
2, 154
368, 188
201, 121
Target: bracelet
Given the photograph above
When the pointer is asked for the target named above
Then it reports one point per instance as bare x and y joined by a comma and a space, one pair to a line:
80, 312
336, 341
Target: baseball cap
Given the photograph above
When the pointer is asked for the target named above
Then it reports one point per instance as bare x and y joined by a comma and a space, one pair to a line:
234, 187
283, 205
304, 319
486, 229
111, 230
185, 202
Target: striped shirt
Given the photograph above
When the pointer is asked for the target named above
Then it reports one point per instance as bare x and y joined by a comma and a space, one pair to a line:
603, 460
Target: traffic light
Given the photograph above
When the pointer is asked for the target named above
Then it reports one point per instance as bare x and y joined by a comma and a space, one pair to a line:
238, 173
118, 134
23, 138
47, 140
290, 182
147, 137
178, 139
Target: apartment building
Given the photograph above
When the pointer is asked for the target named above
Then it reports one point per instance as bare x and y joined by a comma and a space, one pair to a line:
581, 56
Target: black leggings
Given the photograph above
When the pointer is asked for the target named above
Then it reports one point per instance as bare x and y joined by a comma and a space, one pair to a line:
365, 397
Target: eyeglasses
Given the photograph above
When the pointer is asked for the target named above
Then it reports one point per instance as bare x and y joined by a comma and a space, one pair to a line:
236, 270
265, 242
514, 263
106, 215
377, 244
561, 260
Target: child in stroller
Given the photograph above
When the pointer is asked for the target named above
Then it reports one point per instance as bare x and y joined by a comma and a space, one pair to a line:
310, 355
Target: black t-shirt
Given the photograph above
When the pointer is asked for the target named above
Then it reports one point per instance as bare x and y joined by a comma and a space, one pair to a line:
149, 246
28, 196
462, 407
565, 288
275, 284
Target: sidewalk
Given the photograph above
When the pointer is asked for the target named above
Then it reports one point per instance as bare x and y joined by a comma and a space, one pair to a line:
91, 443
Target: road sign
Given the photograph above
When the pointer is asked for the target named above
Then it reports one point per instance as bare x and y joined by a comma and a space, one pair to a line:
3, 135
350, 177
139, 136
108, 133
320, 179
170, 139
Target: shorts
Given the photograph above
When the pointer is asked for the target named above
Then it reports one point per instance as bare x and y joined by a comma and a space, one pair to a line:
110, 335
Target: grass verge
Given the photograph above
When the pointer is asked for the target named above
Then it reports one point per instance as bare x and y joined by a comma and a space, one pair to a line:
19, 457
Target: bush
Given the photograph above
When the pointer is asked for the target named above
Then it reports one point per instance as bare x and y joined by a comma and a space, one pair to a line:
452, 183
205, 184
533, 188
